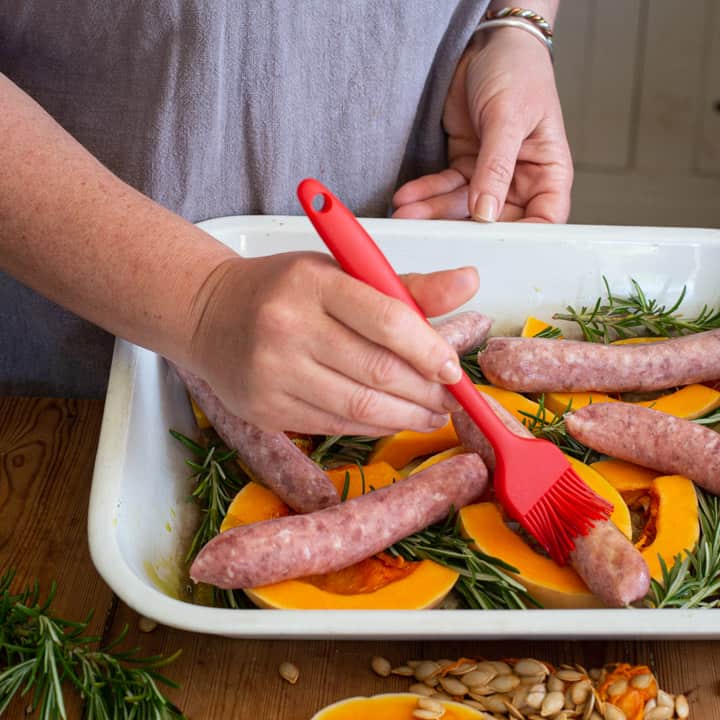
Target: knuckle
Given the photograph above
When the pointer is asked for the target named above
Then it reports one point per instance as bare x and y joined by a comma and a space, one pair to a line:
363, 405
381, 367
500, 169
390, 318
275, 316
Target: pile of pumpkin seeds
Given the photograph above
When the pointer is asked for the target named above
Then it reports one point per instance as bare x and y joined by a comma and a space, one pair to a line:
525, 689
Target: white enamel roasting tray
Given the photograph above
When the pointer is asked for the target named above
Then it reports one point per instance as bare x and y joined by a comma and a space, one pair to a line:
140, 519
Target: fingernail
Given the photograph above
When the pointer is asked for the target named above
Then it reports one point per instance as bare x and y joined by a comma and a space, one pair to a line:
438, 421
485, 209
450, 372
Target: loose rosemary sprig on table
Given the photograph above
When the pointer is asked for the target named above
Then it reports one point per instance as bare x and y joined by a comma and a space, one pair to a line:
636, 314
217, 480
41, 656
693, 581
484, 582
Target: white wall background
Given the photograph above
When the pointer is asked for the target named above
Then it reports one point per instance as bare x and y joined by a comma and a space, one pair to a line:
639, 82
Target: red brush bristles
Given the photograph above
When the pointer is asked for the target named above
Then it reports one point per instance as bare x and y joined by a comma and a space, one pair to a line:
566, 510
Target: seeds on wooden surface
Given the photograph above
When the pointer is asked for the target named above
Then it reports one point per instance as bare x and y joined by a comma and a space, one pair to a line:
682, 709
530, 666
453, 686
428, 714
536, 696
665, 699
504, 683
426, 669
421, 689
569, 675
552, 703
496, 703
619, 687
589, 707
501, 668
555, 684
661, 712
579, 692
444, 662
441, 696
289, 672
381, 666
463, 668
649, 705
512, 710
642, 681
413, 663
146, 625
478, 678
403, 671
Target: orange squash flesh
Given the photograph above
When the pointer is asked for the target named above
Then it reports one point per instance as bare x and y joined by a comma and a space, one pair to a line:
533, 326
399, 449
637, 340
517, 404
439, 457
380, 582
631, 700
362, 478
390, 706
625, 477
553, 586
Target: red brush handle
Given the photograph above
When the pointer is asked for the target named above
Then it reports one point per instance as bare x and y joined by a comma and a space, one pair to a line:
360, 257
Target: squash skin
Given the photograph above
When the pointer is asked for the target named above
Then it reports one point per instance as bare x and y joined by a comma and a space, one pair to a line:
390, 706
425, 585
552, 585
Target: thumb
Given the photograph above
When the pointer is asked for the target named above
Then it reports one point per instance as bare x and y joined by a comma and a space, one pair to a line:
440, 292
500, 141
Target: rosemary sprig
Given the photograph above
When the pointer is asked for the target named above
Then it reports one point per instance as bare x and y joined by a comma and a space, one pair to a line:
484, 582
553, 429
336, 450
217, 480
41, 656
693, 581
636, 314
469, 364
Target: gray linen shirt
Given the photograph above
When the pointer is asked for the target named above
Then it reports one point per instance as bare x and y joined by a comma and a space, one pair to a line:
218, 108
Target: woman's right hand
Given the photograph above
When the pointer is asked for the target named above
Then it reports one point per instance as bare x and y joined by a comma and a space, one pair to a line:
290, 342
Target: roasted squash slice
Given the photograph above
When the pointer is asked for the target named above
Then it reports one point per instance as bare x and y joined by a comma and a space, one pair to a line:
381, 582
439, 457
517, 404
553, 586
391, 706
533, 327
402, 447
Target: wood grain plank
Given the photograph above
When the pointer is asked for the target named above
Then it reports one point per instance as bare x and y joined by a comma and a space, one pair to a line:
47, 451
330, 671
707, 149
672, 73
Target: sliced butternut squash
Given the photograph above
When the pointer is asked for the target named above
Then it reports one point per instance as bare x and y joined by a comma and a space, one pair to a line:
402, 447
200, 418
625, 477
439, 457
673, 525
631, 697
391, 706
553, 586
517, 404
362, 479
637, 340
380, 582
534, 327
689, 402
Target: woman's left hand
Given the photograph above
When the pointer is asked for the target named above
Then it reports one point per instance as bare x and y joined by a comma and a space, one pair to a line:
508, 153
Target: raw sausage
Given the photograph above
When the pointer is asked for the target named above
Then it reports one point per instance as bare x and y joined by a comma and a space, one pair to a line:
544, 365
605, 559
270, 457
335, 538
668, 444
611, 566
464, 331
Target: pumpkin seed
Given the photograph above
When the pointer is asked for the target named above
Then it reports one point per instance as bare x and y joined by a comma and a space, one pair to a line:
444, 662
453, 686
513, 711
532, 679
463, 668
642, 681
381, 666
665, 699
579, 692
530, 666
428, 714
661, 712
569, 675
682, 710
403, 670
553, 703
425, 670
413, 663
289, 672
504, 683
649, 705
555, 684
427, 703
589, 707
421, 689
619, 687
501, 668
477, 677
612, 712
536, 696
496, 703
440, 696
146, 625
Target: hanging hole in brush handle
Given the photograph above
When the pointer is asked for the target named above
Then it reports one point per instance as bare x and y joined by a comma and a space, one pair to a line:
349, 243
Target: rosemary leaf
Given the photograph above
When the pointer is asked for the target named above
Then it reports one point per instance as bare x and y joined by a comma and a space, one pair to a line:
336, 450
469, 364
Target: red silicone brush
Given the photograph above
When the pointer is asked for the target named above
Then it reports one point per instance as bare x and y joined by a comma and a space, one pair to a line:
533, 479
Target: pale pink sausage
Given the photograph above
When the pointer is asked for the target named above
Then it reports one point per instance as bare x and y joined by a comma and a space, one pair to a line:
668, 444
544, 365
606, 560
335, 538
611, 566
271, 457
464, 331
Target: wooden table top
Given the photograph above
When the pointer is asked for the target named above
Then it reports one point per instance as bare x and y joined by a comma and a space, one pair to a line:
47, 451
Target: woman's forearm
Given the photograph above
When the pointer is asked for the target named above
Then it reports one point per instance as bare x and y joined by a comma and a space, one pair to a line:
74, 232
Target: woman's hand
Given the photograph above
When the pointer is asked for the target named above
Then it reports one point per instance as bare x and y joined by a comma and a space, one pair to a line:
290, 342
508, 154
